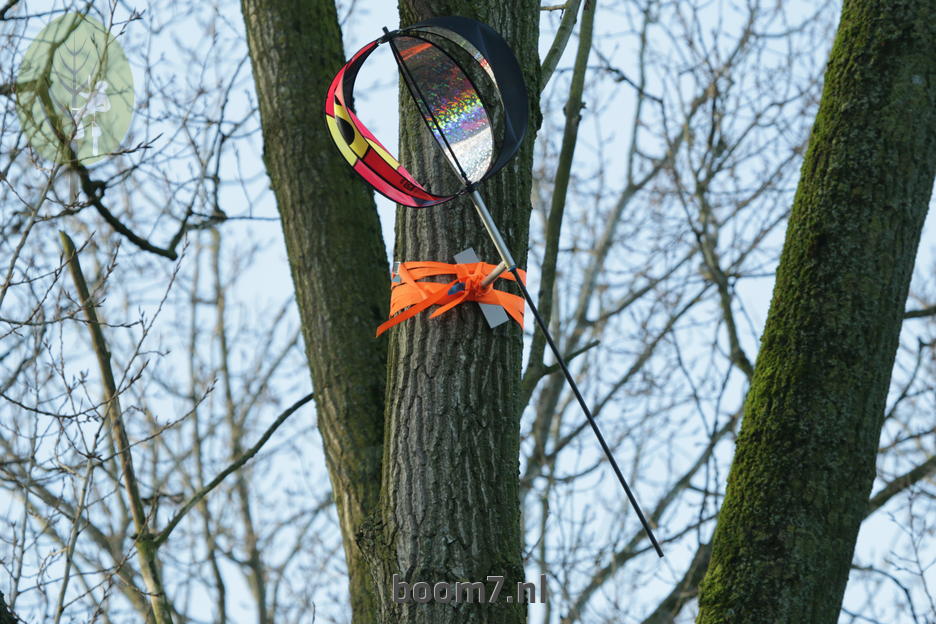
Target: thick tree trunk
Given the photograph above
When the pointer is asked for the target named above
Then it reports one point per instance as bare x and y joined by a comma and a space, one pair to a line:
336, 255
805, 461
449, 504
6, 615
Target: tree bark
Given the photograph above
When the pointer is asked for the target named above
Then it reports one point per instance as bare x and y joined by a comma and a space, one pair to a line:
6, 615
450, 507
336, 255
805, 461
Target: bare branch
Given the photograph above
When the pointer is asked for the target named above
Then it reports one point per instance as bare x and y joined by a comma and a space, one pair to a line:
685, 590
232, 467
923, 312
901, 483
6, 8
147, 554
562, 39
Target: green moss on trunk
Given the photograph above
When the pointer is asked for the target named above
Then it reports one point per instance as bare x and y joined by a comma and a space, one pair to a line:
805, 459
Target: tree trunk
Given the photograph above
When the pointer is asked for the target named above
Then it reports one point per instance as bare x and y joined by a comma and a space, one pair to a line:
805, 461
336, 255
450, 510
6, 615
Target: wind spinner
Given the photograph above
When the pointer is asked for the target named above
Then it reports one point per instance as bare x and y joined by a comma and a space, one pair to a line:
458, 72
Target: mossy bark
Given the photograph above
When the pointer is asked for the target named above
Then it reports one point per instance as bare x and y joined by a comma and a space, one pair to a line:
805, 461
450, 507
336, 255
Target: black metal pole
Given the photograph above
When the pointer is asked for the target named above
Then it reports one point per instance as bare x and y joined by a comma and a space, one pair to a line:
588, 414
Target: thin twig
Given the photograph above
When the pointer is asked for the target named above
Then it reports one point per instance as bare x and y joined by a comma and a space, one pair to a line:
232, 467
76, 524
5, 9
145, 550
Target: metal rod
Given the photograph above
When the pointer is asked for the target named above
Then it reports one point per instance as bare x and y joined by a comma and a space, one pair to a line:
492, 230
588, 414
507, 263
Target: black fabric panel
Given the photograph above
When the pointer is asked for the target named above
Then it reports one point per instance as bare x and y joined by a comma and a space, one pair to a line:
351, 71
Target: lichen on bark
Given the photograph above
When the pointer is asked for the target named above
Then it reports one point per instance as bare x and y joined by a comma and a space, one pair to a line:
805, 459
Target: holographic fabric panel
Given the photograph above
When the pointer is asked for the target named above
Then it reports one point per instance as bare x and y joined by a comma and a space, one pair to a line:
465, 44
450, 104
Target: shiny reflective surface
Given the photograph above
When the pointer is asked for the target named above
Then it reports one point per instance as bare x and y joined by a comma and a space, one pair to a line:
450, 105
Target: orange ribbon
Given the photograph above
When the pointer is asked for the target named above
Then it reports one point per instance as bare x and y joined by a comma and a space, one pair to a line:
413, 296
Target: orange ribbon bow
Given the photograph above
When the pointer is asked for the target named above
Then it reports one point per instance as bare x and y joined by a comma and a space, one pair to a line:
415, 296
